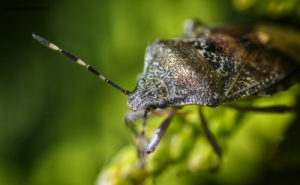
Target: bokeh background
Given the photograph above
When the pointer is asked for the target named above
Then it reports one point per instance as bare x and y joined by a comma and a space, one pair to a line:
60, 125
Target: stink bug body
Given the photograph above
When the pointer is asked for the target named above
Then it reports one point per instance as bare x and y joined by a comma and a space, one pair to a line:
207, 67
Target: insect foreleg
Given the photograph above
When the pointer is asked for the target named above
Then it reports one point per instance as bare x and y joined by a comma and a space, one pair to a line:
131, 117
141, 140
160, 131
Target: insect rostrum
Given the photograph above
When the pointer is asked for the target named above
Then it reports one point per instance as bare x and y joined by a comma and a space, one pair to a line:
208, 66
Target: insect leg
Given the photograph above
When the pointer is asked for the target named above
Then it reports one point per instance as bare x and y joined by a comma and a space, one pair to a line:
193, 25
209, 135
160, 131
269, 109
130, 118
141, 140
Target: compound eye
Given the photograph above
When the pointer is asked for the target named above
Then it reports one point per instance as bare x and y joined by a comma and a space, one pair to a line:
141, 81
163, 103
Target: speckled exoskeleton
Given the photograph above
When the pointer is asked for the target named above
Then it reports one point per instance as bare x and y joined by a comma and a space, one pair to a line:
205, 66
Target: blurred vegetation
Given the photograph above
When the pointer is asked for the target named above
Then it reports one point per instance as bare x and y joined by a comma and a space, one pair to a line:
62, 126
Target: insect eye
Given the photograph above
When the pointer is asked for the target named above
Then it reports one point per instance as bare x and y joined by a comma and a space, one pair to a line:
163, 103
141, 81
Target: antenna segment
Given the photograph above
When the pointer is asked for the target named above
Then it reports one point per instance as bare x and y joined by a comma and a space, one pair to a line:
78, 61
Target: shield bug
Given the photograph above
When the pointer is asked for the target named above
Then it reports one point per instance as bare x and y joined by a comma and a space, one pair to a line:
205, 66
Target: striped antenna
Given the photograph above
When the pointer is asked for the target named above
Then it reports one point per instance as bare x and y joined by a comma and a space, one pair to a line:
78, 61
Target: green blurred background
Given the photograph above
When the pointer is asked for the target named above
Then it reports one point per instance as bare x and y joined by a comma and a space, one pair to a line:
59, 124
